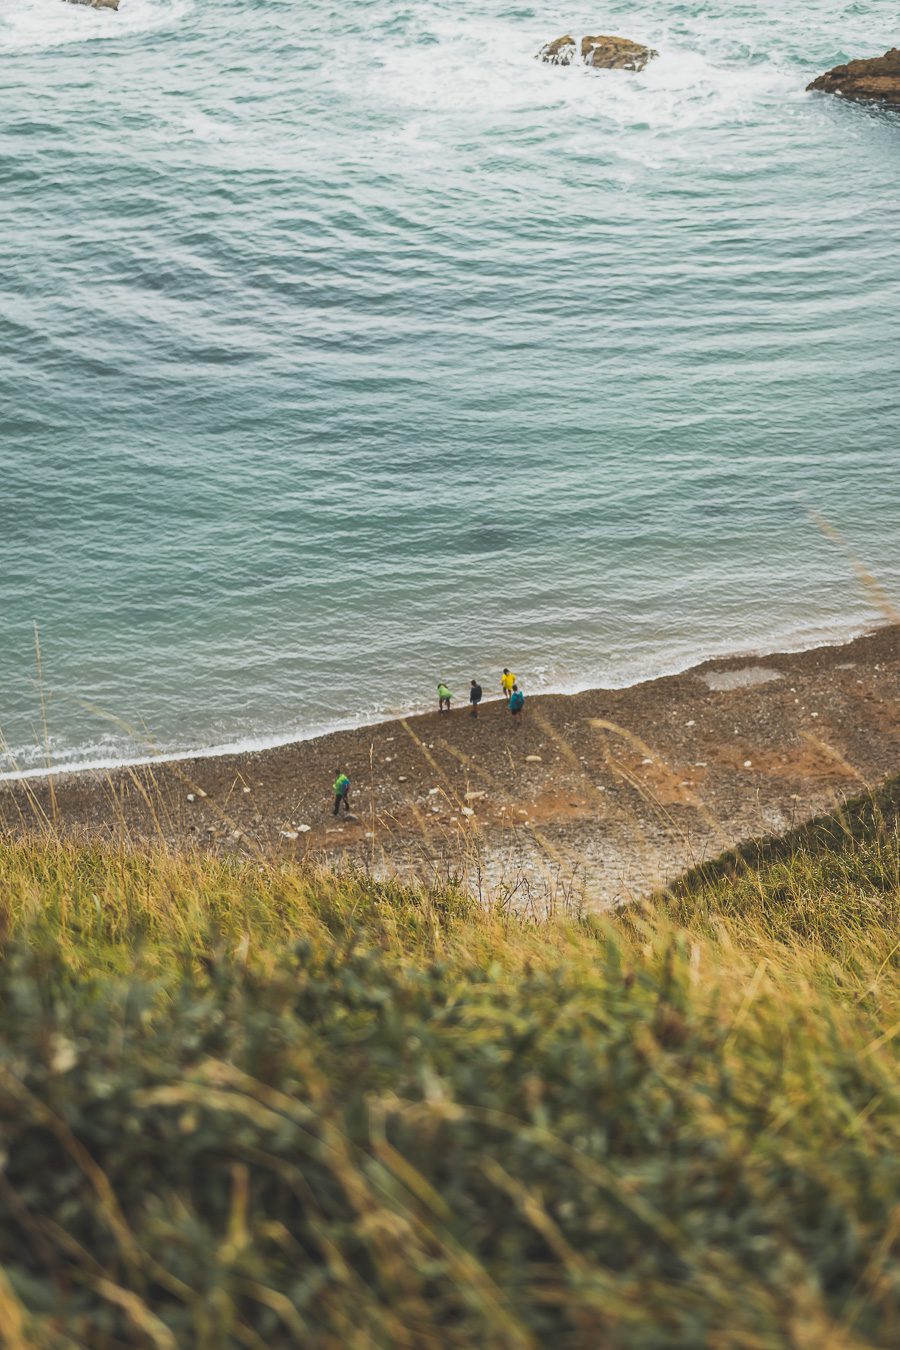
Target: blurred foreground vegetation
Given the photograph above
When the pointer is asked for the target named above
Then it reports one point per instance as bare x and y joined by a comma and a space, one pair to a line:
245, 1106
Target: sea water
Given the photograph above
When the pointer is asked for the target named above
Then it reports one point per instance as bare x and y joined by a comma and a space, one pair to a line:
345, 349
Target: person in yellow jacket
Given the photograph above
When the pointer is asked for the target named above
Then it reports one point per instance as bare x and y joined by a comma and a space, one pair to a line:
507, 682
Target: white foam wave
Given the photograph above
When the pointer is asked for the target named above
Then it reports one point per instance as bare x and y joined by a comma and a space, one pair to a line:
32, 25
489, 68
106, 755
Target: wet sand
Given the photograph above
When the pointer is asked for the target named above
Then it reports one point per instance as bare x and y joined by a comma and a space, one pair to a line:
597, 796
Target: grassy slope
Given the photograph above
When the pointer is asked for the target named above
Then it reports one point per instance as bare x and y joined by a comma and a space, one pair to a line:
244, 1107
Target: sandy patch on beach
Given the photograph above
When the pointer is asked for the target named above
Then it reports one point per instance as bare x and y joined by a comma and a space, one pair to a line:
745, 678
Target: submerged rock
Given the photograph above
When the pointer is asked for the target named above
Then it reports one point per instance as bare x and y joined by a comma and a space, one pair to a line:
876, 80
615, 53
561, 52
96, 4
600, 52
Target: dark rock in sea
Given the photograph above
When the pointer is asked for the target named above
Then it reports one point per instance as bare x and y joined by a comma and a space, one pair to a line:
876, 80
615, 53
96, 4
558, 53
601, 52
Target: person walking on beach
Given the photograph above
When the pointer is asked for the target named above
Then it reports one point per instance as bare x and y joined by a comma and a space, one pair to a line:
475, 694
516, 704
341, 792
507, 682
444, 697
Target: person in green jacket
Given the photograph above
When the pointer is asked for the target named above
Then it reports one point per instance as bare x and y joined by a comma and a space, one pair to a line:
444, 697
341, 792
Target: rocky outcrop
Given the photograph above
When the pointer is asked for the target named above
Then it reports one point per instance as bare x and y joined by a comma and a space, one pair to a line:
601, 52
558, 53
96, 4
615, 53
876, 80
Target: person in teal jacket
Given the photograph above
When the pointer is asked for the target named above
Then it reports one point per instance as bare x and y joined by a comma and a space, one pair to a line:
341, 792
516, 703
444, 697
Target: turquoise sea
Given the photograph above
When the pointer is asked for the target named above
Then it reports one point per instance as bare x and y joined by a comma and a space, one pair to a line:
344, 349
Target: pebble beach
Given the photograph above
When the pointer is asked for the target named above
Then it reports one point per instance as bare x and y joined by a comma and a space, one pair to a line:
595, 799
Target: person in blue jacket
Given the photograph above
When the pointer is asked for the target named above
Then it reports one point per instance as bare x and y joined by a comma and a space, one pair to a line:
516, 704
